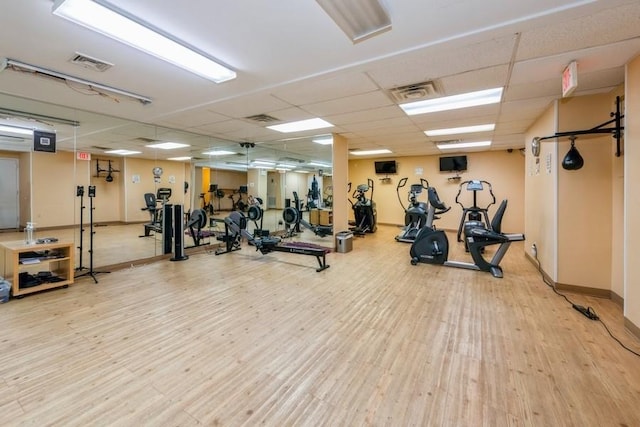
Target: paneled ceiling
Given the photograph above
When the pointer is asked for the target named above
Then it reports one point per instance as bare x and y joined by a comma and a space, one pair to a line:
293, 63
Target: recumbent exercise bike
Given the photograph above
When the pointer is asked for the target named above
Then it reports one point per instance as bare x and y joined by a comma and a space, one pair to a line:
432, 246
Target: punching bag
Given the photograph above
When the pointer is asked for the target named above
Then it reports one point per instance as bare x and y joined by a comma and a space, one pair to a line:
573, 160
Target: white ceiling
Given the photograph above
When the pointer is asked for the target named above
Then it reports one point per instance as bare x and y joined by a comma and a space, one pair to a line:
294, 63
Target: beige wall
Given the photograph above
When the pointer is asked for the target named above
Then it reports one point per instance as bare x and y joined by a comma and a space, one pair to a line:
541, 219
584, 196
504, 170
579, 232
53, 188
173, 177
632, 195
229, 181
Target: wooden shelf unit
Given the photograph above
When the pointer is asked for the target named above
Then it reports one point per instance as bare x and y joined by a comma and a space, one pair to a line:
56, 257
321, 217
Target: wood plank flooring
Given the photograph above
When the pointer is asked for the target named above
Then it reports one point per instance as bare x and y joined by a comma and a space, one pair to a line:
250, 339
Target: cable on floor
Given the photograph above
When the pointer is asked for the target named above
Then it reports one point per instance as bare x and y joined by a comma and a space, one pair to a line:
588, 312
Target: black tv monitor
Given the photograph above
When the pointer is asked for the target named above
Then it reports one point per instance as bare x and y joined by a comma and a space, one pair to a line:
243, 189
386, 167
453, 164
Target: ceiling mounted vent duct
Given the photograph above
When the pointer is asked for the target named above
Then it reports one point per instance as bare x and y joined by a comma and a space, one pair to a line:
290, 160
87, 61
262, 118
28, 69
414, 92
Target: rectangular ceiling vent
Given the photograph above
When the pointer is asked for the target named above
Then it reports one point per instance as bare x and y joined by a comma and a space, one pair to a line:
89, 62
414, 92
262, 118
290, 160
143, 140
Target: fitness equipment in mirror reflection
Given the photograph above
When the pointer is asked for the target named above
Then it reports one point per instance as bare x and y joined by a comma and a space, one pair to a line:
572, 160
80, 193
92, 194
110, 170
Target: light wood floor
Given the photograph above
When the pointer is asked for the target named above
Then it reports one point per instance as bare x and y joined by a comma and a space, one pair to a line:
116, 244
251, 339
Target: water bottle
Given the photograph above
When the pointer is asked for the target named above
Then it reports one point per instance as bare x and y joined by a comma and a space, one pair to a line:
29, 233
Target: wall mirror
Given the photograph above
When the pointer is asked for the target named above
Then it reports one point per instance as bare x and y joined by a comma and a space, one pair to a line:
199, 172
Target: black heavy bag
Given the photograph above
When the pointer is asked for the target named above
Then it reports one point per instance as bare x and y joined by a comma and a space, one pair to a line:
573, 160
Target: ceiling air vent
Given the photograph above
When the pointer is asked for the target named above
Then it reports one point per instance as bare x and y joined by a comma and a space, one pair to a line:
414, 92
262, 118
290, 160
144, 140
91, 63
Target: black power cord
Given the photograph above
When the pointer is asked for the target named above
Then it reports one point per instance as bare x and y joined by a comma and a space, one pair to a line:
588, 312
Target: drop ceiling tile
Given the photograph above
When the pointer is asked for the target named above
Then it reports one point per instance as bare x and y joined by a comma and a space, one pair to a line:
374, 114
349, 104
246, 106
317, 90
434, 63
597, 29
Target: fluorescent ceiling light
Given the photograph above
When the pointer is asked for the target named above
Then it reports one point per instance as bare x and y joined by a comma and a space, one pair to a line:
454, 145
218, 153
320, 164
117, 24
325, 140
284, 165
16, 129
369, 152
167, 145
300, 171
471, 99
122, 152
263, 162
359, 19
464, 129
179, 159
301, 125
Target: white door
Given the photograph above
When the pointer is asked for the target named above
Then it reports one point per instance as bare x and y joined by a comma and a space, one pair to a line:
9, 194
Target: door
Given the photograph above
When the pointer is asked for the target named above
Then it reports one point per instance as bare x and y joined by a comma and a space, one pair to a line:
9, 194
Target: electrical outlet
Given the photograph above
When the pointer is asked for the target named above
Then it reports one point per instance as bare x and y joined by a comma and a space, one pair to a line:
534, 250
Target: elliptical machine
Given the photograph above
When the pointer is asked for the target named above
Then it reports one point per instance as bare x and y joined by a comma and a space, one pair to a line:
364, 210
415, 214
240, 204
432, 246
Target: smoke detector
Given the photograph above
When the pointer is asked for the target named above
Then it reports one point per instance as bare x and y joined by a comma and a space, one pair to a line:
414, 92
89, 62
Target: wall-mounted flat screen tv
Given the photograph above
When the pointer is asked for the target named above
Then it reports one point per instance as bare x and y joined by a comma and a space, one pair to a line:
453, 164
386, 167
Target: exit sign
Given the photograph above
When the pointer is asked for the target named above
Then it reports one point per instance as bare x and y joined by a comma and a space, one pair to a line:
80, 155
569, 79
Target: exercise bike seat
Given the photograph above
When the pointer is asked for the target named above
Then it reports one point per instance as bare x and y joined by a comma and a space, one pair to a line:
486, 234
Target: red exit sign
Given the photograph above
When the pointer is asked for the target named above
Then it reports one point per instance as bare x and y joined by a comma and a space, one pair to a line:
80, 155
